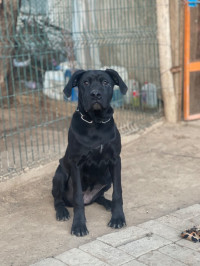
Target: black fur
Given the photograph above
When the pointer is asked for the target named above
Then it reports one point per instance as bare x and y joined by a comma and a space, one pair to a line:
92, 159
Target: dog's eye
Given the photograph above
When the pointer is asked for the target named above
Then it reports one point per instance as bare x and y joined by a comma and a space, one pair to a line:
86, 83
105, 82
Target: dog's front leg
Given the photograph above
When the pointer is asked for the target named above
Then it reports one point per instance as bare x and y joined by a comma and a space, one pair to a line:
118, 218
79, 222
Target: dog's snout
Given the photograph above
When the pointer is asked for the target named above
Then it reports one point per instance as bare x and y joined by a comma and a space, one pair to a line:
95, 94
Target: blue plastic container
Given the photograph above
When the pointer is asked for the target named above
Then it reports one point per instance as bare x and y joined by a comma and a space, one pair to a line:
74, 97
117, 99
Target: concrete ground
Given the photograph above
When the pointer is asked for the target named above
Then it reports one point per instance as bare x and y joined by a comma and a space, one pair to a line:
156, 242
159, 172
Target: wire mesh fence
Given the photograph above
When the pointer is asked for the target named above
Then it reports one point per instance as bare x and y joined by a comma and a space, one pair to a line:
43, 42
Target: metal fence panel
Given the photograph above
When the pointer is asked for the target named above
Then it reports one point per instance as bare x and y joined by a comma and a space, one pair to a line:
43, 42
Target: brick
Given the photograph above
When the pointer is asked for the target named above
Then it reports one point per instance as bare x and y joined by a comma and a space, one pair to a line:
175, 222
106, 253
186, 255
78, 257
49, 262
187, 213
124, 236
157, 258
161, 229
144, 245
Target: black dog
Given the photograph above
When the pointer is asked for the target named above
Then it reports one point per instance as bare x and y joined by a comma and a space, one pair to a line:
92, 159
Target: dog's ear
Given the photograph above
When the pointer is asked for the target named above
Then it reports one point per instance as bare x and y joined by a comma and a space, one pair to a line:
73, 82
117, 80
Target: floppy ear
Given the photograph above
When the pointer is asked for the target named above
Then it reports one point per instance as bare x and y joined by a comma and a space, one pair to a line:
73, 82
117, 80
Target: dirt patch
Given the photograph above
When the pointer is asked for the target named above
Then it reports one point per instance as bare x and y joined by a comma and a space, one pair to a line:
159, 174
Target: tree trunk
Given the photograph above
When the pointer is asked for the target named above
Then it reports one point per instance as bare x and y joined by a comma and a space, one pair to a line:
8, 17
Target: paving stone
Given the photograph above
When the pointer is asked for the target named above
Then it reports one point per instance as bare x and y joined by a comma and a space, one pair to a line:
134, 263
186, 255
49, 262
106, 253
144, 245
189, 244
124, 236
161, 229
78, 257
187, 213
175, 222
159, 259
194, 221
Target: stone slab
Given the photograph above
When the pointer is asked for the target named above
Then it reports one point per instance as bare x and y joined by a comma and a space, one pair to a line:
188, 212
76, 257
124, 236
49, 262
134, 263
158, 259
189, 244
106, 253
161, 229
175, 222
144, 245
183, 254
195, 221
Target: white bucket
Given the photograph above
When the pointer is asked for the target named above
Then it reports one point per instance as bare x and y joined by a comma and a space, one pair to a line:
54, 83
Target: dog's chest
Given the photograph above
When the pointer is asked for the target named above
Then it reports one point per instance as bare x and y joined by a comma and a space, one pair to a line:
99, 149
95, 166
99, 156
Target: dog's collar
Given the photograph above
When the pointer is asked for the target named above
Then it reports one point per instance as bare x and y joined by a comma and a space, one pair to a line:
91, 121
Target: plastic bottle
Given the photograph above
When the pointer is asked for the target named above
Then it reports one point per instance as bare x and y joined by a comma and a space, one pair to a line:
132, 86
136, 98
149, 95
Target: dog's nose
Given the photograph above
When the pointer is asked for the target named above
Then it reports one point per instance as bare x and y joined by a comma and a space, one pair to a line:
95, 94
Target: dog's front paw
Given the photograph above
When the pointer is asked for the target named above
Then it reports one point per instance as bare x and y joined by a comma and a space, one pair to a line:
117, 222
79, 229
62, 214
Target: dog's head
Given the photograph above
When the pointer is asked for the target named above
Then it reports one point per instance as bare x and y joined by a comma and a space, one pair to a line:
95, 88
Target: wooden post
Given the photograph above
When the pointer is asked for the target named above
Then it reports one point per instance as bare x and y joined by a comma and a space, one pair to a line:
177, 46
167, 82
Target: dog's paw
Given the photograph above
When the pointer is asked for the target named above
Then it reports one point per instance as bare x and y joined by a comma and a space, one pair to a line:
62, 214
108, 205
117, 222
79, 229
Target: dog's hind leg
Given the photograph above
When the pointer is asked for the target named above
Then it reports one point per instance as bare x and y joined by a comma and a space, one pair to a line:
58, 191
104, 202
100, 199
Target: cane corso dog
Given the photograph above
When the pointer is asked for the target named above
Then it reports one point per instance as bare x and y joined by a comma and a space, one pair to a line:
92, 159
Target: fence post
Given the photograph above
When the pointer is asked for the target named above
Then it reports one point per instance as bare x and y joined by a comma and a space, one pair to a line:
164, 40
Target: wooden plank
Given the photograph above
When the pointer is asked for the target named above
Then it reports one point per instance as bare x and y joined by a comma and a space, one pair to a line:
194, 66
186, 63
176, 28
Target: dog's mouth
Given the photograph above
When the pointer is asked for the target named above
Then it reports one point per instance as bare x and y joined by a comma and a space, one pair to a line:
97, 107
98, 113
